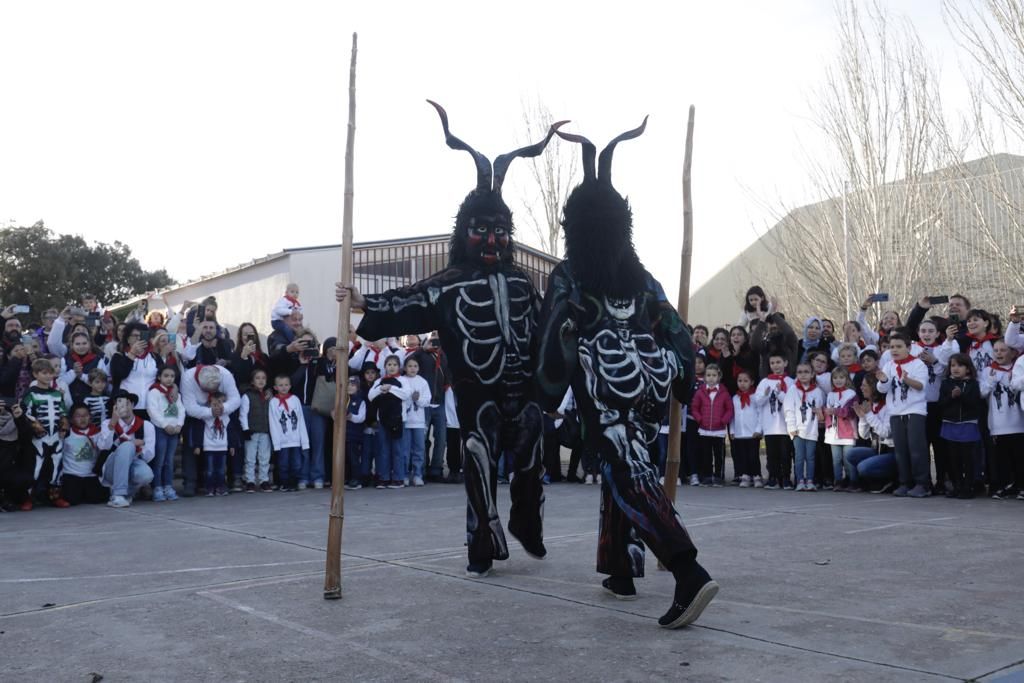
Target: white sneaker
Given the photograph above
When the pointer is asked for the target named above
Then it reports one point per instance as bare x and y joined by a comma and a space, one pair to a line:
597, 478
302, 486
417, 481
118, 502
169, 493
318, 484
800, 485
758, 482
661, 480
694, 480
745, 481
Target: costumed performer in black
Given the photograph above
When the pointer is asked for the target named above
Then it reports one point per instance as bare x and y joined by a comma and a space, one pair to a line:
484, 308
608, 331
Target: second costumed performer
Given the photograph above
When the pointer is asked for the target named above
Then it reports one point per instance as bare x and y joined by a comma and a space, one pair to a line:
607, 330
485, 309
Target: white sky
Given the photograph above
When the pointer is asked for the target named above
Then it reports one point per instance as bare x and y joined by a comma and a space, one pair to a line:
204, 134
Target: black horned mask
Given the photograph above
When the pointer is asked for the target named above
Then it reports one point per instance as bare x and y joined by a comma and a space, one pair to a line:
598, 226
483, 224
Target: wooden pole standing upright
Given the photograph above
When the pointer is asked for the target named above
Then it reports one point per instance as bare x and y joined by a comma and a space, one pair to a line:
332, 577
683, 306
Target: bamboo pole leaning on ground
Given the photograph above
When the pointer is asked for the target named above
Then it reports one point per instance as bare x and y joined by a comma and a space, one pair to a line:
336, 523
683, 305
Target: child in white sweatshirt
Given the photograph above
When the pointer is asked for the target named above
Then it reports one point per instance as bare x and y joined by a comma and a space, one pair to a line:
287, 432
1005, 422
903, 379
802, 406
167, 413
745, 431
769, 398
418, 398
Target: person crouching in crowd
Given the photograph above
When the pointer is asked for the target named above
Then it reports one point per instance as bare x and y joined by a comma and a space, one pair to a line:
126, 469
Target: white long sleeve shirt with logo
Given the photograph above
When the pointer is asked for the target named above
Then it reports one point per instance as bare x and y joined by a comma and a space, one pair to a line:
1004, 409
900, 397
770, 399
413, 413
287, 426
936, 371
746, 420
801, 409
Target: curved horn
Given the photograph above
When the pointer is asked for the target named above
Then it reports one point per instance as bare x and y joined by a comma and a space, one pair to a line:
589, 153
483, 164
501, 163
605, 162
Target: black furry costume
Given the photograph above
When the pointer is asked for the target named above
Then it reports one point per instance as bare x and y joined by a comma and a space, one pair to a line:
607, 330
484, 309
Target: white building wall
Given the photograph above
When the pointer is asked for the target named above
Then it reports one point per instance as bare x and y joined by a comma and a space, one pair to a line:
315, 271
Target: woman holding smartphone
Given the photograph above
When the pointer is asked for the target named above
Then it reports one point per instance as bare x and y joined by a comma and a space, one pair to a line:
134, 367
248, 356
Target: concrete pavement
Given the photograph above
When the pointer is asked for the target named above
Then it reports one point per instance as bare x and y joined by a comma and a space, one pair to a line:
852, 587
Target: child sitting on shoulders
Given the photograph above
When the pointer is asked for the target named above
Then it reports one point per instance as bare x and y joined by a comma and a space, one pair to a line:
285, 306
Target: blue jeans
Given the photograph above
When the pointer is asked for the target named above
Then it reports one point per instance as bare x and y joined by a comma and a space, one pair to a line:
216, 466
391, 459
313, 459
371, 451
124, 472
282, 327
163, 460
436, 420
416, 438
804, 465
289, 465
257, 453
871, 465
838, 454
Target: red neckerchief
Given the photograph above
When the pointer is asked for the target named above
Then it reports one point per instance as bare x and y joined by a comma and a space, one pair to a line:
876, 408
257, 357
1007, 369
782, 381
394, 376
355, 347
144, 353
90, 431
84, 360
196, 374
218, 425
927, 346
861, 343
295, 302
804, 392
901, 363
283, 400
838, 390
744, 398
713, 353
977, 343
166, 391
121, 433
854, 368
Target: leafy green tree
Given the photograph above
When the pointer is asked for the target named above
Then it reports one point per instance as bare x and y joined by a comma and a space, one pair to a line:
44, 269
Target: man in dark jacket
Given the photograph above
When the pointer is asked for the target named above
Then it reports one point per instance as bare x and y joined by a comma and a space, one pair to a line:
434, 369
773, 334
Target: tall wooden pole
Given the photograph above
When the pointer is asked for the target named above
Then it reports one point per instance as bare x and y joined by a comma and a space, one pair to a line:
332, 577
683, 306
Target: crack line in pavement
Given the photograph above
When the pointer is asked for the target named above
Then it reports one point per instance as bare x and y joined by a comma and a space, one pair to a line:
995, 671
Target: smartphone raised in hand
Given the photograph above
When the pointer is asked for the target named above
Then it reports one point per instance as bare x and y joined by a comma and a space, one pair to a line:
936, 300
878, 297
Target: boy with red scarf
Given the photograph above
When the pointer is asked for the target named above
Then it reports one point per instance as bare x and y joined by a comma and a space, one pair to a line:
903, 379
287, 432
769, 398
83, 444
134, 439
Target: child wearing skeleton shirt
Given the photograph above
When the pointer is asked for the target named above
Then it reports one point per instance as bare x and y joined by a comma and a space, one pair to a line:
98, 401
903, 380
1005, 421
745, 430
285, 306
802, 407
45, 407
841, 429
80, 482
980, 336
768, 399
287, 432
388, 396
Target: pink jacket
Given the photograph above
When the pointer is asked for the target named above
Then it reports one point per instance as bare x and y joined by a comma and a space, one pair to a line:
711, 415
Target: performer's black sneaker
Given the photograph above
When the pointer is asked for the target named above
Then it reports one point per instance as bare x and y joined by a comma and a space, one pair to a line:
534, 548
620, 586
478, 570
693, 594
